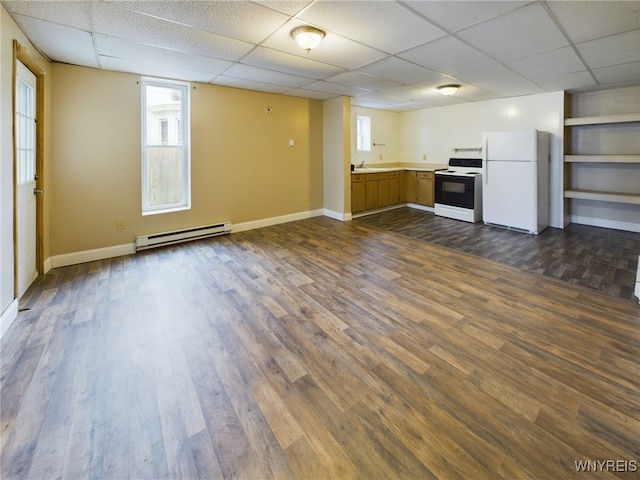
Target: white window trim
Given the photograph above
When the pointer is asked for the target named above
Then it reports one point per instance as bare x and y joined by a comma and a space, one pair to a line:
185, 203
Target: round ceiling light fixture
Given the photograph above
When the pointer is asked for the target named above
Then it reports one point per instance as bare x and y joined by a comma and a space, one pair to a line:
449, 89
308, 37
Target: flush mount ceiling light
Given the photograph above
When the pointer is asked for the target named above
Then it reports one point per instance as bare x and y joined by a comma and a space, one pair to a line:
308, 37
448, 89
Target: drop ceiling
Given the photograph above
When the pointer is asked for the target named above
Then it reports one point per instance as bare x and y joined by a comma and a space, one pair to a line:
383, 54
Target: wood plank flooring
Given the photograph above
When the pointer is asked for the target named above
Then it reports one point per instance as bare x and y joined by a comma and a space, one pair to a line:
599, 258
313, 350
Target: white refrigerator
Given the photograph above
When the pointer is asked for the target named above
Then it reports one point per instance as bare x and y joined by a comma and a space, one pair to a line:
515, 172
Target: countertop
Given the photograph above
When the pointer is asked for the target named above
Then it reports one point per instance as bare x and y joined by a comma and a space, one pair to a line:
415, 167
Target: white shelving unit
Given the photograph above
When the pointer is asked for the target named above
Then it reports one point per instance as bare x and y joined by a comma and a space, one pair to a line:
602, 158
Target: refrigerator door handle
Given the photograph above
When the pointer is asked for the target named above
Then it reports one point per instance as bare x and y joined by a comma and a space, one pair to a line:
486, 161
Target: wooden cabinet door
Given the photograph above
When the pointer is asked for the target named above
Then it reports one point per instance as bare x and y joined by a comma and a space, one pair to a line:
411, 186
394, 188
383, 190
425, 190
371, 191
357, 193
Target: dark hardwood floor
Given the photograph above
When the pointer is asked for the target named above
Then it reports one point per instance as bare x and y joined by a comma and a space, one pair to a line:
318, 349
599, 258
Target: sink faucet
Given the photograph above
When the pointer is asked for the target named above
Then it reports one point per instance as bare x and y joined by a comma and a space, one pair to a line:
361, 164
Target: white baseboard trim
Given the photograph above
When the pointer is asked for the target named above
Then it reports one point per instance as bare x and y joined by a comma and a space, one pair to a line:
420, 207
603, 222
74, 258
47, 265
337, 215
268, 222
8, 317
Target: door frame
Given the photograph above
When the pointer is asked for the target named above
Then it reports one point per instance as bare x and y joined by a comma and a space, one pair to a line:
20, 54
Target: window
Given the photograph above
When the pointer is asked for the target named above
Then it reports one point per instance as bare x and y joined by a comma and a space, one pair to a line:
166, 165
363, 133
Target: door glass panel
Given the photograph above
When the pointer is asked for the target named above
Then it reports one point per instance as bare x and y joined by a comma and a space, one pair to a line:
25, 132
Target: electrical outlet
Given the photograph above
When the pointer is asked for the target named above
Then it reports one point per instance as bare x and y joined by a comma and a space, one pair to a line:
380, 156
121, 223
424, 156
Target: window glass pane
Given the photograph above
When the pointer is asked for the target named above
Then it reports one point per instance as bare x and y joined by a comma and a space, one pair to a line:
164, 166
363, 133
163, 103
25, 132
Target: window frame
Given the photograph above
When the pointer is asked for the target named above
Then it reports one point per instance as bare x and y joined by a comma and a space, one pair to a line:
183, 141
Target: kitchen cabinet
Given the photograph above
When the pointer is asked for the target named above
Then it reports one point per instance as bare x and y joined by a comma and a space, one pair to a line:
381, 189
357, 193
371, 191
394, 188
425, 189
410, 186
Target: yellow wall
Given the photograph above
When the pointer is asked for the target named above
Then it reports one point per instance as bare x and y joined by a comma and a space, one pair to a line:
243, 168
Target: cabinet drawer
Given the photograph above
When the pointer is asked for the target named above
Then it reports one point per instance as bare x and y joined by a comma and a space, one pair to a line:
372, 177
427, 175
394, 175
357, 178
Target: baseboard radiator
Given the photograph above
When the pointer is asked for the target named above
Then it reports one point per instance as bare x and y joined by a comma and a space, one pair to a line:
145, 242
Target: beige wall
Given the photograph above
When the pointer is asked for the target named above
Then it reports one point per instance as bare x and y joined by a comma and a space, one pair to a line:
243, 168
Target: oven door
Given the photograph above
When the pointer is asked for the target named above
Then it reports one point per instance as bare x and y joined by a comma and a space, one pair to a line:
454, 190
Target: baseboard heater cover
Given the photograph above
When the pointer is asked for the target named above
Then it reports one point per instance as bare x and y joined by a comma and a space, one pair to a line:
145, 242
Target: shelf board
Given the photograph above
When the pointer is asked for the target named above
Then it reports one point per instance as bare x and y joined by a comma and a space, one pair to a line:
603, 196
602, 158
626, 118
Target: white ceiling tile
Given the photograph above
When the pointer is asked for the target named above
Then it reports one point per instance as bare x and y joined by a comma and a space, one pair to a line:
614, 50
448, 55
337, 89
245, 21
126, 49
71, 13
113, 20
64, 44
356, 79
584, 21
554, 63
249, 84
626, 72
520, 33
410, 92
314, 94
288, 7
398, 70
384, 25
500, 80
456, 15
568, 81
248, 72
293, 64
333, 50
131, 66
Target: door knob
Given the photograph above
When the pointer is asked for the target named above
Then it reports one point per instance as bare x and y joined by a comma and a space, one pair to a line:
38, 190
